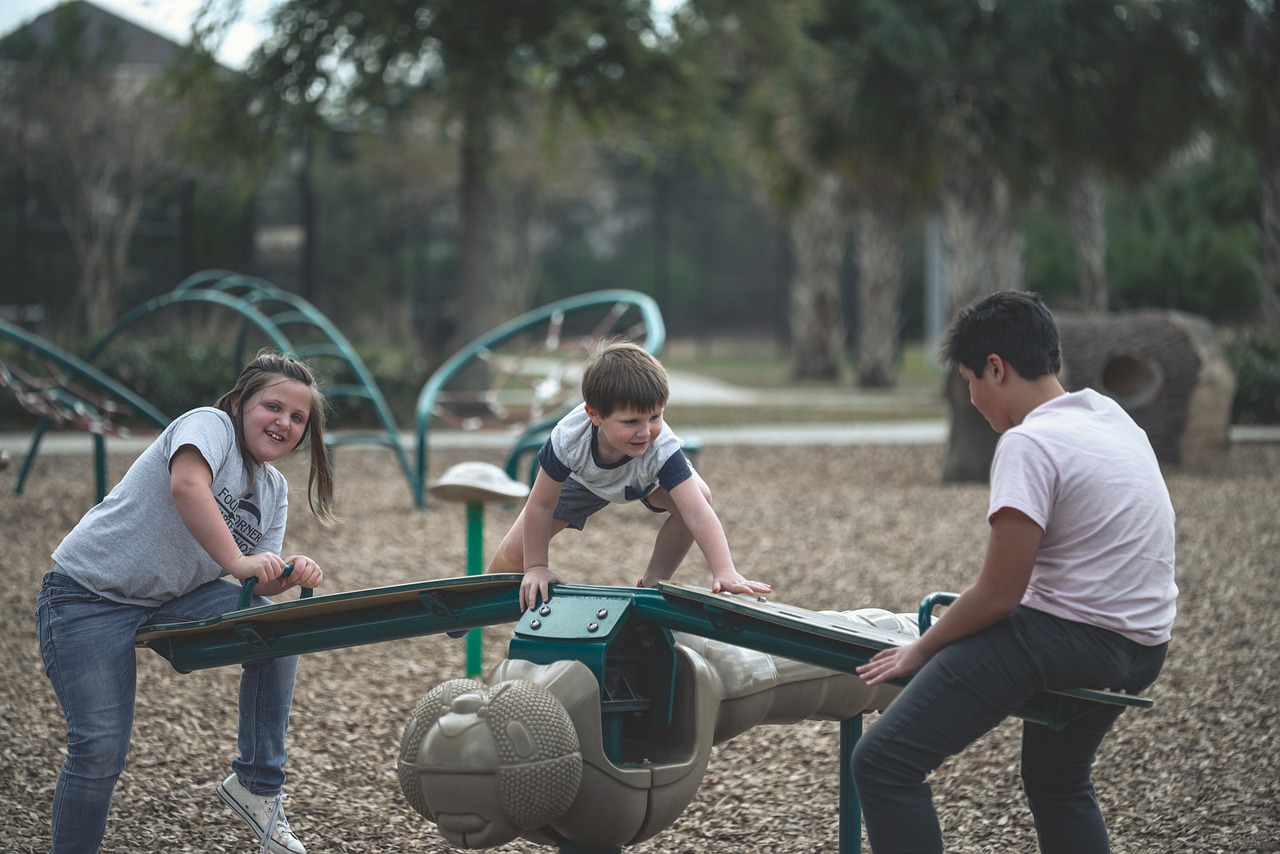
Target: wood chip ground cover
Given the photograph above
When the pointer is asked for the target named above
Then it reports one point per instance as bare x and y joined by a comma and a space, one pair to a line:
829, 527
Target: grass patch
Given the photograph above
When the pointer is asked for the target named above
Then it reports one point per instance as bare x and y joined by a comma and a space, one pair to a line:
757, 362
762, 366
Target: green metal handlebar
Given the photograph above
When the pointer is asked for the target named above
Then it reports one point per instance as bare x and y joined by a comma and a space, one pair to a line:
246, 592
927, 605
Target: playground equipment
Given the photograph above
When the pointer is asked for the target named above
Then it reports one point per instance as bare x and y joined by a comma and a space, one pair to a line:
1166, 368
313, 338
525, 752
476, 484
68, 391
520, 377
623, 638
525, 374
267, 311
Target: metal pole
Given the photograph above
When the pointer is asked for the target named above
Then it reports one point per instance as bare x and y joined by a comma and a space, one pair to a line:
850, 809
475, 556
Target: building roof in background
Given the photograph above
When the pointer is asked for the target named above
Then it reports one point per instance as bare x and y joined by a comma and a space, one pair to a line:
138, 45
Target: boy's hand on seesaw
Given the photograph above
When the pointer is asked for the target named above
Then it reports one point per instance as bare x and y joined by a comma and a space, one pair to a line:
893, 663
537, 583
735, 583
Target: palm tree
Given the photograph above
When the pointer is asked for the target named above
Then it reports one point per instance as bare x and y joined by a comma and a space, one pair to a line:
772, 74
1121, 93
1241, 47
867, 128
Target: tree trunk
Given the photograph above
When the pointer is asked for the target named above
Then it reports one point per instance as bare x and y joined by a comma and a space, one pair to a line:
1087, 206
97, 289
477, 312
879, 224
517, 248
1268, 157
971, 442
984, 255
819, 232
983, 239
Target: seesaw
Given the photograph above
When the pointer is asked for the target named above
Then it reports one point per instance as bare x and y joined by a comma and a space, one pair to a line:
315, 623
643, 709
738, 618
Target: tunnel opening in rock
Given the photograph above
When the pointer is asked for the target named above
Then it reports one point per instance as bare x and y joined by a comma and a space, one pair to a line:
1131, 381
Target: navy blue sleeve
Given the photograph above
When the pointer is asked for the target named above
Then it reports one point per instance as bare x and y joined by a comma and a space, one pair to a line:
551, 464
675, 471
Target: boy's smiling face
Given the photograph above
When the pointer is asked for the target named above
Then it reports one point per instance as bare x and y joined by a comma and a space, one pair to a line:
626, 432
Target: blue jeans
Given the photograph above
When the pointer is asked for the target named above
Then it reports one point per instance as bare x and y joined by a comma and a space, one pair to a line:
968, 688
86, 642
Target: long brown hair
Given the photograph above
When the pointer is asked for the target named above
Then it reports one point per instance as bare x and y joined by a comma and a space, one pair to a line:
266, 369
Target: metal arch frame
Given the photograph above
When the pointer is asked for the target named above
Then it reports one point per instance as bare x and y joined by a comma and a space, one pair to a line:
261, 295
89, 374
248, 312
655, 338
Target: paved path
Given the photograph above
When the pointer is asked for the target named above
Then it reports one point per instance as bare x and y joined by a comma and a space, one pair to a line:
905, 432
685, 388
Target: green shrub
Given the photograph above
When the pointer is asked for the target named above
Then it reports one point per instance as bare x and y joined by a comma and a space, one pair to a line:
1256, 360
172, 373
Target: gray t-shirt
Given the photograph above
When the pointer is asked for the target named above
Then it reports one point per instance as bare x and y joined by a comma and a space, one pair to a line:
134, 548
571, 451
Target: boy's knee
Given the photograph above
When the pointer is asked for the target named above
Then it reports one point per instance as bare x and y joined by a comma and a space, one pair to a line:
863, 761
876, 763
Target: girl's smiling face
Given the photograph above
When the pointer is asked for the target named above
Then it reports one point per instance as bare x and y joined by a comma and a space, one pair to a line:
274, 419
626, 432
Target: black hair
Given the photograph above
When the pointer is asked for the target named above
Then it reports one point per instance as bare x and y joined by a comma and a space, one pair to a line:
1015, 325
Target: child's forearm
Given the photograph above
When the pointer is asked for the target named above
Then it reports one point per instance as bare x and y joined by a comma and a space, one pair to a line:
537, 544
709, 534
201, 516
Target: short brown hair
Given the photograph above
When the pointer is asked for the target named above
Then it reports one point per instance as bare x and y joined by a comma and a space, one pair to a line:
623, 374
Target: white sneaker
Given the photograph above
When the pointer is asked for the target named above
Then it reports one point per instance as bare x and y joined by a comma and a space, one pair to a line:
260, 812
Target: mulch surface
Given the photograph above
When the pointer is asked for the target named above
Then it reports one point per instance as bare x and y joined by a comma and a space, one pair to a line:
829, 527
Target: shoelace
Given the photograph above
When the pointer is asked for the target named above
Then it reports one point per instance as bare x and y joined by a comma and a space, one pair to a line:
274, 818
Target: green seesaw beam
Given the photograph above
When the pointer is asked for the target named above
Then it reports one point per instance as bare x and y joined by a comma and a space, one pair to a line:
336, 621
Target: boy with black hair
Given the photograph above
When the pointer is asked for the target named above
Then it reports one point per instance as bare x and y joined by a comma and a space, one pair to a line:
1076, 591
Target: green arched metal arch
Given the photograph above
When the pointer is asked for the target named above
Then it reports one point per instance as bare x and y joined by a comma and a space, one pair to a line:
91, 376
250, 314
617, 302
283, 308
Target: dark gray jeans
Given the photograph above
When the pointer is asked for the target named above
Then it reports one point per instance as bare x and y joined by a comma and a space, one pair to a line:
965, 691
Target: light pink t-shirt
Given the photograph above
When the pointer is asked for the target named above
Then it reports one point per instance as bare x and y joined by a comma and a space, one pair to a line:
1083, 471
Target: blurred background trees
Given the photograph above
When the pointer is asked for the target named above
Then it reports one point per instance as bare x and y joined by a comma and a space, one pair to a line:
828, 176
